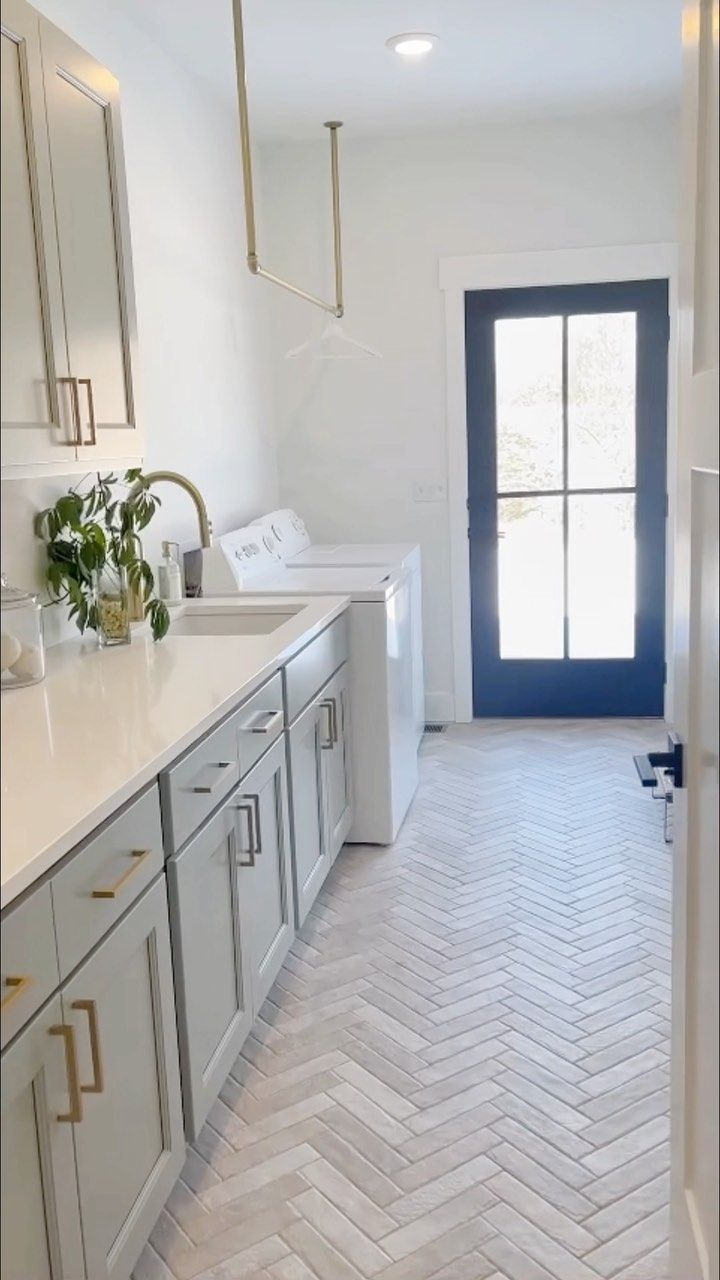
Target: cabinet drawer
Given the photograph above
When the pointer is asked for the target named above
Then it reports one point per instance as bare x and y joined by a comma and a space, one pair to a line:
260, 722
193, 787
310, 669
28, 961
101, 881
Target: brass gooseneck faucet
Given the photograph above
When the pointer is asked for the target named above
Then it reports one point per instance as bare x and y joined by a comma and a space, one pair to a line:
174, 477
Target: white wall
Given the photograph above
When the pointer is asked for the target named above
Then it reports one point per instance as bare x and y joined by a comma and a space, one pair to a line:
201, 317
353, 438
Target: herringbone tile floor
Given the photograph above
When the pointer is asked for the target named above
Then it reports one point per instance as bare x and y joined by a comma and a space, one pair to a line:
461, 1073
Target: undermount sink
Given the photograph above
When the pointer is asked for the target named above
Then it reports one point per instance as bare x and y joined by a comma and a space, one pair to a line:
243, 621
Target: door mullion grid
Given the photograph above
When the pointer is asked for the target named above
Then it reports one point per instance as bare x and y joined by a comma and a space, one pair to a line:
558, 493
566, 526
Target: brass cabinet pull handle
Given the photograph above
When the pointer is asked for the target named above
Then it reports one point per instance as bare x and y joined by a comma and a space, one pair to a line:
90, 1008
72, 383
263, 722
75, 1114
18, 986
112, 891
330, 705
207, 791
87, 382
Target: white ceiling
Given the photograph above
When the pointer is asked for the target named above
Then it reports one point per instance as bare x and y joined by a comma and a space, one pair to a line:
311, 60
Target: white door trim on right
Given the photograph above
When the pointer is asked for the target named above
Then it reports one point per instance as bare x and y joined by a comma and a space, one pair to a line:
596, 265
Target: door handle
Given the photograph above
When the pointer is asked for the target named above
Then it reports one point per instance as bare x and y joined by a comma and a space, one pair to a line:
247, 809
98, 1083
672, 761
87, 383
75, 1114
72, 383
251, 807
330, 705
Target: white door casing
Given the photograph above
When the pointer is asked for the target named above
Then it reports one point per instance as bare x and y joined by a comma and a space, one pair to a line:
594, 265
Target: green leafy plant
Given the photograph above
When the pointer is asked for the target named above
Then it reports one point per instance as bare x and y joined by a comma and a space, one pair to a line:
96, 528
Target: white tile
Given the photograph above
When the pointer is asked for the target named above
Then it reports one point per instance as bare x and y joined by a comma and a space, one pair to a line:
462, 1071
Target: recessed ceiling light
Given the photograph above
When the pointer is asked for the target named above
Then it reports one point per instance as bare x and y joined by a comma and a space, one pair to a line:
412, 44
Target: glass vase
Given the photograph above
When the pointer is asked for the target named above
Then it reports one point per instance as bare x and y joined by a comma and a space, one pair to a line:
113, 607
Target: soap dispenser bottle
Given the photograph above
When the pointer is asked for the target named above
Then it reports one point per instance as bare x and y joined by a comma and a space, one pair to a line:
169, 575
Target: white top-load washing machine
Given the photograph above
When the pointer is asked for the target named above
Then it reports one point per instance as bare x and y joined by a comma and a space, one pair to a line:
383, 731
292, 541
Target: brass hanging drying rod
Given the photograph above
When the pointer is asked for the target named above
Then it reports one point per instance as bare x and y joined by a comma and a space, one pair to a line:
335, 308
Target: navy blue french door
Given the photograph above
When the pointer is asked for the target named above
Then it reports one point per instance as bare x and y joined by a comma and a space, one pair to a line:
567, 409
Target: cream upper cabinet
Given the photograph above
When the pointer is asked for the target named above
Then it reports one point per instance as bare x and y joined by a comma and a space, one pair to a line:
68, 307
83, 120
37, 422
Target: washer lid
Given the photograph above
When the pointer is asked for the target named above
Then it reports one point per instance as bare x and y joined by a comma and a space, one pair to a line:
340, 554
372, 583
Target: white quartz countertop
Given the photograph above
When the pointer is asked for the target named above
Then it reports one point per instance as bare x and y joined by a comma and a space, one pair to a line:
103, 723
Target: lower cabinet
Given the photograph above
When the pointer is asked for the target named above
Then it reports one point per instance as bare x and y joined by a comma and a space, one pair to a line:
212, 959
320, 780
231, 899
41, 1236
129, 1144
311, 855
337, 770
93, 1130
92, 1118
266, 887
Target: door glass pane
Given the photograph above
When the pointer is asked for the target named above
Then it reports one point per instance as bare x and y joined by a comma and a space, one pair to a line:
528, 380
530, 577
601, 575
601, 400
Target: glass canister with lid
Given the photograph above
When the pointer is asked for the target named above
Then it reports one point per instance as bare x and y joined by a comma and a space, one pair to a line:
22, 651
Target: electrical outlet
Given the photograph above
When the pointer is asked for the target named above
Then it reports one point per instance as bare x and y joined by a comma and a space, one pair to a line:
429, 491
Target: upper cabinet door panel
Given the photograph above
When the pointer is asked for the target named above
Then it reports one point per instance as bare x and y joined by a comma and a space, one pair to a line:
36, 412
93, 238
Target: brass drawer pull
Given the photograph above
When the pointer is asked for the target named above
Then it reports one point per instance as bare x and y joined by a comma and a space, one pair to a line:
75, 1114
87, 382
139, 856
90, 1008
18, 986
263, 722
207, 791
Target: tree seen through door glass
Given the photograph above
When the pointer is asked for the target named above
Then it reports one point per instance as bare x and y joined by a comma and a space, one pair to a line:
601, 400
528, 392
